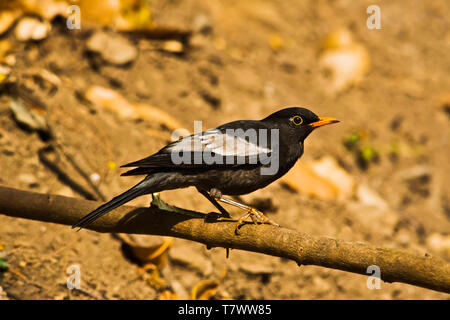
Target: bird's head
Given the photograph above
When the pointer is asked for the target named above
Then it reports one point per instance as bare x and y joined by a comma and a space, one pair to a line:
297, 122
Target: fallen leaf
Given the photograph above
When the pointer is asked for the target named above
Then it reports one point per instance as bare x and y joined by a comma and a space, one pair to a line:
304, 179
149, 113
29, 115
149, 249
204, 290
346, 60
151, 274
111, 100
328, 168
323, 179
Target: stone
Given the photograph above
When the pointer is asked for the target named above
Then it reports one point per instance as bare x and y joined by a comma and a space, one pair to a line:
113, 48
31, 29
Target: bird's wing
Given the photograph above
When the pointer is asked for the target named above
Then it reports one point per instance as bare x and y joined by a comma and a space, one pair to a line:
217, 147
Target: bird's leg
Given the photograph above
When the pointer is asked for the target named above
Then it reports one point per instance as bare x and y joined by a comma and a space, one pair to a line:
215, 203
219, 207
256, 215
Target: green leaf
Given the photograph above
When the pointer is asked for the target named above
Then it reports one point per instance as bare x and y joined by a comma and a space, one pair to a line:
3, 265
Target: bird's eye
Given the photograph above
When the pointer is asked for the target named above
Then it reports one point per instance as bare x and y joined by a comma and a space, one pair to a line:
297, 120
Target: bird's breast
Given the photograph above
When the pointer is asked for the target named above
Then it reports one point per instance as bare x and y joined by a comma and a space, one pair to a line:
245, 179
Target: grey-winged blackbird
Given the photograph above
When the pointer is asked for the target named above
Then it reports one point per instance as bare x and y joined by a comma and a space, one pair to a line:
233, 159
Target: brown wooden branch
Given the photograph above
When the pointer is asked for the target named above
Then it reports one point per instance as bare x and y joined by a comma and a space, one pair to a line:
161, 219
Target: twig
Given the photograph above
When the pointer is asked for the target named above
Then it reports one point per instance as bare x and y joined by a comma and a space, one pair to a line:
395, 265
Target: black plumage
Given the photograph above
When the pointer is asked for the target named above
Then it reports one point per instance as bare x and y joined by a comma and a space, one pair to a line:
233, 159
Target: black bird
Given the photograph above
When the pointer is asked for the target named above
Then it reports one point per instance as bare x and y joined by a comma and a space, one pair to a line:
235, 158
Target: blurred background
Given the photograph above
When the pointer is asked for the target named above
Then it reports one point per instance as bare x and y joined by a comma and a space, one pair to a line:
87, 86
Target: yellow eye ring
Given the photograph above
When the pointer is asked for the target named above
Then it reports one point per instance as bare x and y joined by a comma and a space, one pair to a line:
297, 120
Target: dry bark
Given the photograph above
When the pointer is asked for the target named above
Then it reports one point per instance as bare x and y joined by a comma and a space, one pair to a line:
162, 219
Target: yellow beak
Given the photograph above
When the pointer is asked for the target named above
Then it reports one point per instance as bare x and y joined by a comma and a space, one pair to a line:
323, 121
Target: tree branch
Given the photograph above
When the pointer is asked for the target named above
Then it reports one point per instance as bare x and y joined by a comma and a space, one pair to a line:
162, 219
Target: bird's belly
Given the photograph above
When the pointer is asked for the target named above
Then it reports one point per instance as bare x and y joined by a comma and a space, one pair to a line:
237, 182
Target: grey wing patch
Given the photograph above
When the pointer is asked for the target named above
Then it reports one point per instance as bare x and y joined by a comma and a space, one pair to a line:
193, 143
200, 150
222, 143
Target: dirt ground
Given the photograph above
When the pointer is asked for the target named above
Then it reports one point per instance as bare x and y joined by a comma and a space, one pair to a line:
231, 72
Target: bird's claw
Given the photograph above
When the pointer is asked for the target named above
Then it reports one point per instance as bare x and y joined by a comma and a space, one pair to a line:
257, 218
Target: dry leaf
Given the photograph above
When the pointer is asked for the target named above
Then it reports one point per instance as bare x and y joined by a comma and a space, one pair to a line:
303, 179
150, 273
111, 100
29, 115
150, 113
328, 168
346, 60
204, 290
149, 249
323, 179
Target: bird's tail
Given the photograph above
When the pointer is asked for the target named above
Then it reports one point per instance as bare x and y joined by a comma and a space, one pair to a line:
136, 191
